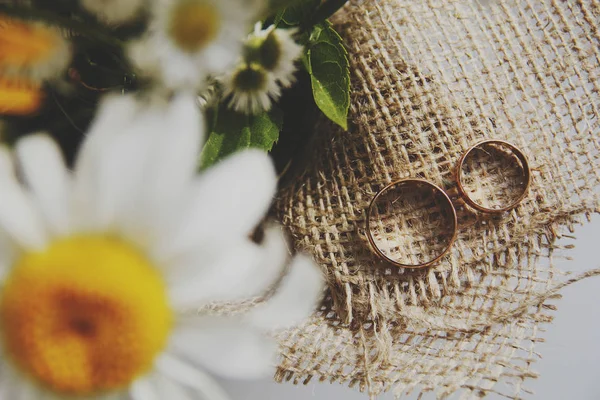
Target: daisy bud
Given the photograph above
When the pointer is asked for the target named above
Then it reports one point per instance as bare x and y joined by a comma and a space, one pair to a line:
276, 51
252, 88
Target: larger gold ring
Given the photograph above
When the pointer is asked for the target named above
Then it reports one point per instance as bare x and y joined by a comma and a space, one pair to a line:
449, 206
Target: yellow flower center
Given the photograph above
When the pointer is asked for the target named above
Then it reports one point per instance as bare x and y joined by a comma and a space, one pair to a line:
25, 44
194, 24
86, 315
19, 96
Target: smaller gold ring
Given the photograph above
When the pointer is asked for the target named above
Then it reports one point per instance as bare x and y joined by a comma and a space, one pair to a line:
449, 206
526, 174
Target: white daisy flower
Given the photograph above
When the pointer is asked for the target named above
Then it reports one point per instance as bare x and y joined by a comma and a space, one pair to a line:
191, 39
251, 87
276, 50
102, 269
114, 12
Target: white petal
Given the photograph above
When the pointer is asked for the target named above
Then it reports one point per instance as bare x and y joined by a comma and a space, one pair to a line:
105, 396
6, 383
18, 215
295, 300
104, 195
168, 389
256, 281
228, 201
173, 162
180, 371
13, 386
113, 118
134, 182
224, 347
8, 253
215, 282
143, 389
25, 391
114, 114
7, 167
114, 12
242, 271
10, 381
5, 392
46, 175
179, 69
142, 55
179, 144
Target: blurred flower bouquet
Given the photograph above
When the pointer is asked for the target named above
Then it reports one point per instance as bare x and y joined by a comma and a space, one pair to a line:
115, 255
239, 57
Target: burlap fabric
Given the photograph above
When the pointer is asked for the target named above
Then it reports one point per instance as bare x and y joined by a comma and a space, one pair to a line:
430, 78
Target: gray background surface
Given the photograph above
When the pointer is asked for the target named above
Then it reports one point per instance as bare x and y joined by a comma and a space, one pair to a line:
570, 367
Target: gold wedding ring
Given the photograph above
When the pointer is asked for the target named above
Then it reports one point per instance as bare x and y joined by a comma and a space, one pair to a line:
447, 202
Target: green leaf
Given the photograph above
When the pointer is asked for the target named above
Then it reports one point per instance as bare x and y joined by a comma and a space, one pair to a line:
327, 9
277, 8
231, 131
278, 17
298, 13
330, 73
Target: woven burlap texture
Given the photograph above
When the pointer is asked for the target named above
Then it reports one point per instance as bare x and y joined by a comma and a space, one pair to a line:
429, 79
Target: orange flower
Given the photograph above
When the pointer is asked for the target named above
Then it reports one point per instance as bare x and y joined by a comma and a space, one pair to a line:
32, 49
19, 96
